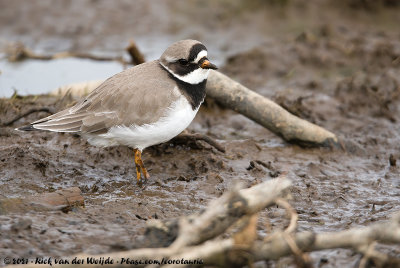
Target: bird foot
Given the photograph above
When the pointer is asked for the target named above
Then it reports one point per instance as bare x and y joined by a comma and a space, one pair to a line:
140, 169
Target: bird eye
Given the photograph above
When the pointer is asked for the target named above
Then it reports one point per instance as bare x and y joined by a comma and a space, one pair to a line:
183, 62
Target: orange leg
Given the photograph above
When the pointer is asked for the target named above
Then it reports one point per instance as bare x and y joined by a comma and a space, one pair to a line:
140, 166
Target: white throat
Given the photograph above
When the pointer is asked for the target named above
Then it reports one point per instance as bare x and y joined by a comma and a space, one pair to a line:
195, 77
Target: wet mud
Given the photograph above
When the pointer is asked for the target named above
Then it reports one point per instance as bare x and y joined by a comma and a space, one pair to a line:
343, 76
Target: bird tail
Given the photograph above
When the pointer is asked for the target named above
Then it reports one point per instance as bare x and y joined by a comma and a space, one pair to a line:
60, 122
26, 128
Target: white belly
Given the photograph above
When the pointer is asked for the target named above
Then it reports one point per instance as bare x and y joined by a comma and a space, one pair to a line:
178, 117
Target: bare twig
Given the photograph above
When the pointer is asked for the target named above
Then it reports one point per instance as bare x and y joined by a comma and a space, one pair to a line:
200, 227
302, 259
357, 239
18, 52
80, 55
226, 210
291, 212
248, 233
136, 56
367, 256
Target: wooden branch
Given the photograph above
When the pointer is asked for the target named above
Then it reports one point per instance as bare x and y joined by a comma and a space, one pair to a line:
267, 113
291, 212
135, 54
18, 52
64, 199
212, 253
224, 252
191, 242
357, 239
220, 252
387, 232
226, 210
302, 259
217, 217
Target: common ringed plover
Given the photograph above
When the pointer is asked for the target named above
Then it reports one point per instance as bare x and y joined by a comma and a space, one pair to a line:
142, 106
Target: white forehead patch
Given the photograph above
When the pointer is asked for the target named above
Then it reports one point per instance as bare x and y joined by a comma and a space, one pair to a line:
201, 55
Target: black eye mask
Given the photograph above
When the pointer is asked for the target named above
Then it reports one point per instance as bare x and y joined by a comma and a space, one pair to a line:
196, 49
183, 69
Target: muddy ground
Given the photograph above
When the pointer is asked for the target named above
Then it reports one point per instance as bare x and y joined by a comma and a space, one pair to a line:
337, 65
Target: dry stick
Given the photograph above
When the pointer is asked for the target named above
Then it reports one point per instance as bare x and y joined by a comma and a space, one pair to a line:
291, 212
217, 217
357, 239
217, 252
67, 54
223, 213
267, 113
302, 259
212, 253
18, 52
136, 56
369, 253
247, 233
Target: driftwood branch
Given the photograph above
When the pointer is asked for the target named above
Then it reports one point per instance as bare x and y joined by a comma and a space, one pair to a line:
266, 112
210, 223
18, 52
198, 236
135, 54
224, 252
358, 239
220, 252
302, 259
226, 210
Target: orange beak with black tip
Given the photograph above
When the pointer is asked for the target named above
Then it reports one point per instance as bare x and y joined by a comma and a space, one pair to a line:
206, 64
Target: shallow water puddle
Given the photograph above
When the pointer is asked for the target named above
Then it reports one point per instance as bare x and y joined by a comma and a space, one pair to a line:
40, 77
